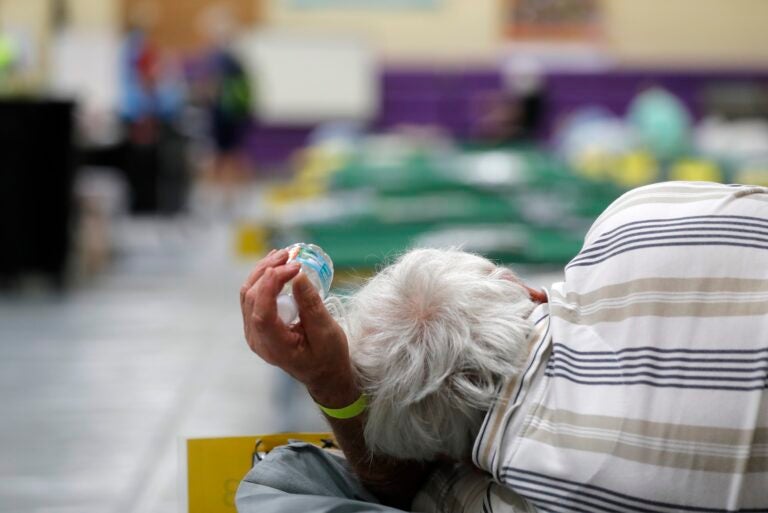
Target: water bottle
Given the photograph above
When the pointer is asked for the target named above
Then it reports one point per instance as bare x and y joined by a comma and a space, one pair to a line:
318, 267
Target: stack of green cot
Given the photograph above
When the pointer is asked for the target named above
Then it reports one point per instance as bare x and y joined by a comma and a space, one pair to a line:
513, 205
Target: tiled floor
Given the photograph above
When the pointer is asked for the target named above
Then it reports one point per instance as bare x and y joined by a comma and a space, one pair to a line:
98, 386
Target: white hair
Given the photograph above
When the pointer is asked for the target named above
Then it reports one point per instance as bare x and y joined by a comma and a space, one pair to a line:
432, 337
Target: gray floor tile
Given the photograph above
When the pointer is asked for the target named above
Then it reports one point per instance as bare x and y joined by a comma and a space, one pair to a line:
96, 387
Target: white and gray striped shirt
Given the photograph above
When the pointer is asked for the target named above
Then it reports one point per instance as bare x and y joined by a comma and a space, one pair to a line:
646, 385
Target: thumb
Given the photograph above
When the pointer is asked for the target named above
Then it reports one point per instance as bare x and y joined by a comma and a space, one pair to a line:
312, 311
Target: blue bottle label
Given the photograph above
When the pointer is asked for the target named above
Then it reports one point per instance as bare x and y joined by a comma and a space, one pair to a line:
308, 258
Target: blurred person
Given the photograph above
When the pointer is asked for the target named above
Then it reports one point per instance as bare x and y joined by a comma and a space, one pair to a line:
225, 90
516, 113
8, 55
151, 101
16, 62
152, 92
638, 383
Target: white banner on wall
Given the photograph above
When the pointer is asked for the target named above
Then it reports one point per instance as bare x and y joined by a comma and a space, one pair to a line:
85, 65
303, 79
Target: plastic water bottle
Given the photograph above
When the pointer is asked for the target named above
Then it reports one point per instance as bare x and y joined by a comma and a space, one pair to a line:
318, 267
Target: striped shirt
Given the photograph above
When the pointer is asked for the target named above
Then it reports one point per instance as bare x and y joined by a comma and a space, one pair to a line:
646, 384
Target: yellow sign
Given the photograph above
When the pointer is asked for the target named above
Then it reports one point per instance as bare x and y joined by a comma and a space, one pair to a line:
215, 466
251, 240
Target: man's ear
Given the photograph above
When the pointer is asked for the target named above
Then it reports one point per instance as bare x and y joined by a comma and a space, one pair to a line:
537, 296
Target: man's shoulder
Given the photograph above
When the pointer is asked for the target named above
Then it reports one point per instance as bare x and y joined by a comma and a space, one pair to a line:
677, 188
668, 201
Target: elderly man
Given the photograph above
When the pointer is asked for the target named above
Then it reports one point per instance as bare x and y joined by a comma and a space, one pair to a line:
640, 385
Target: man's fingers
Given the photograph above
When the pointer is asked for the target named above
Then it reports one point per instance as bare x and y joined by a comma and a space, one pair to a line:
275, 257
312, 311
264, 292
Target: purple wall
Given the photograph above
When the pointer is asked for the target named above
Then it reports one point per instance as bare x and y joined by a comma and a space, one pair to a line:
616, 89
452, 99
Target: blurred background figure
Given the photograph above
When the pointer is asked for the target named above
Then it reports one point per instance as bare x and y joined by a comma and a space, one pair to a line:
8, 56
225, 91
517, 112
152, 150
152, 98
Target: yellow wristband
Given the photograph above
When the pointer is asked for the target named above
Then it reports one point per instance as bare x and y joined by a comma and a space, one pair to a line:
347, 412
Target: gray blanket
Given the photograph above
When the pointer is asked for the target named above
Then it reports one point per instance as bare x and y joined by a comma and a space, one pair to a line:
301, 478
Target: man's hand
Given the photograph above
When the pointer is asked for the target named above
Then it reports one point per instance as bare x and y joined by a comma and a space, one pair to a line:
315, 350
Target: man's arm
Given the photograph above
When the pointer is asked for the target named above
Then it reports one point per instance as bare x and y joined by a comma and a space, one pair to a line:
315, 352
393, 482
